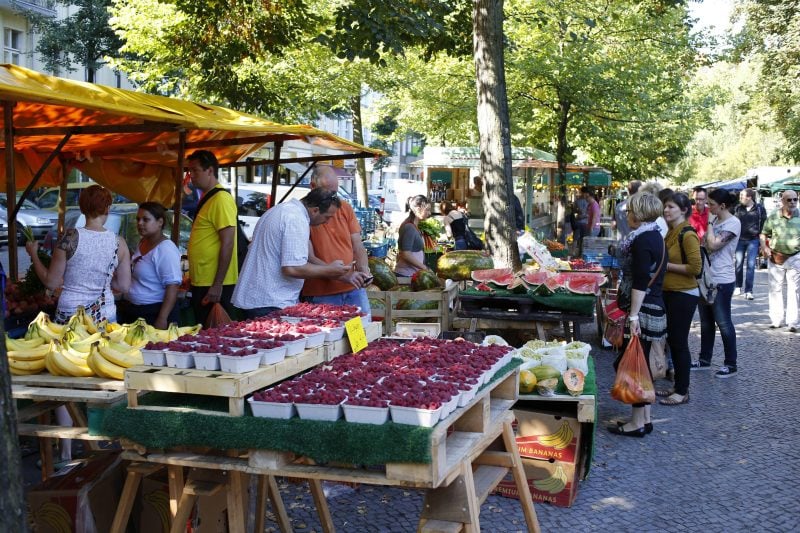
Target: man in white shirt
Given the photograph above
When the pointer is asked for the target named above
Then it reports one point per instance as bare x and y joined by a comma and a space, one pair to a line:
277, 259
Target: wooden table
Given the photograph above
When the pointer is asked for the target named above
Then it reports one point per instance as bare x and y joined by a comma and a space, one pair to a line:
473, 320
471, 450
49, 392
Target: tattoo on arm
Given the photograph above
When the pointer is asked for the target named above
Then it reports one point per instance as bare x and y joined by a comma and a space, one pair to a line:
68, 242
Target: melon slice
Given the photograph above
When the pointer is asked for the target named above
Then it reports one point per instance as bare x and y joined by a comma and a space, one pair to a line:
534, 279
498, 276
583, 283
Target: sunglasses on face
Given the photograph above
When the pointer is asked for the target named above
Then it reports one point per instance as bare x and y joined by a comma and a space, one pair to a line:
790, 200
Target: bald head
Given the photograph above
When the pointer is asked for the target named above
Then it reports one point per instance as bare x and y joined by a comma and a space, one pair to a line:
325, 177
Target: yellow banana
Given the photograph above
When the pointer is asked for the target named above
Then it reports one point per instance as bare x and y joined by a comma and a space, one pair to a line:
189, 330
172, 332
15, 372
27, 366
36, 331
117, 335
22, 344
70, 365
48, 327
121, 358
50, 365
30, 353
566, 437
55, 517
84, 345
103, 367
67, 347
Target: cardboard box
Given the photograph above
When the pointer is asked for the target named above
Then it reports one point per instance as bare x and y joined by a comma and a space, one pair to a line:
414, 329
152, 511
550, 481
81, 497
548, 436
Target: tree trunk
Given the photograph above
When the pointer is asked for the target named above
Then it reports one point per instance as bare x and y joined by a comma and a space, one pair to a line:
358, 136
562, 148
495, 132
12, 497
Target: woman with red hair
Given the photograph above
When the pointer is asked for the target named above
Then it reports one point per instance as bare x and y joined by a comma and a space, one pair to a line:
87, 262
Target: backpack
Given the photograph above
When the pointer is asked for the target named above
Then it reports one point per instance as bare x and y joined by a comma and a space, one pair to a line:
473, 241
705, 283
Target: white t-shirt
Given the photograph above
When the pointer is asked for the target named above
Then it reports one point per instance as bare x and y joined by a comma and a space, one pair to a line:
723, 263
153, 272
280, 239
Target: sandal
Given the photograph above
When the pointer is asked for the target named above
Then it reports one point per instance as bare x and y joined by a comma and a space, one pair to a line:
663, 393
675, 399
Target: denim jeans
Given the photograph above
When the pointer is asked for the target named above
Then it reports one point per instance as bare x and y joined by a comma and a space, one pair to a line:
356, 297
718, 316
680, 311
751, 249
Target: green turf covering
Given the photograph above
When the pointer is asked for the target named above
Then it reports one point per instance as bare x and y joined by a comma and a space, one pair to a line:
322, 441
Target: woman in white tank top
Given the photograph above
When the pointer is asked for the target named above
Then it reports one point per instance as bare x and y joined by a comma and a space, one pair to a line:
87, 262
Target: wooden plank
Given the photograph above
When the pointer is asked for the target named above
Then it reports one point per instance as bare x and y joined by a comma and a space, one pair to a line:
335, 349
104, 397
495, 458
270, 459
278, 508
508, 388
66, 382
126, 500
36, 409
58, 432
486, 479
321, 503
439, 526
175, 487
520, 479
448, 503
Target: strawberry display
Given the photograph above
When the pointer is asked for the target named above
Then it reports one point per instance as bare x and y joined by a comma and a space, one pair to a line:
327, 311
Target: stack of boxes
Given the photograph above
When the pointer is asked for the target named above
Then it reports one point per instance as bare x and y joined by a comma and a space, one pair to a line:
553, 455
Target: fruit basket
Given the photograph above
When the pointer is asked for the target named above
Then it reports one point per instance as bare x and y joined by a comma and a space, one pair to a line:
414, 416
206, 361
271, 356
319, 411
239, 364
364, 414
179, 359
154, 357
263, 409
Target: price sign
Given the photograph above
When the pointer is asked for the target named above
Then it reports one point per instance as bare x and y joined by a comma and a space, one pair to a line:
356, 334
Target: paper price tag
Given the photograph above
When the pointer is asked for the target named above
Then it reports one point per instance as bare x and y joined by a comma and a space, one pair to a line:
356, 334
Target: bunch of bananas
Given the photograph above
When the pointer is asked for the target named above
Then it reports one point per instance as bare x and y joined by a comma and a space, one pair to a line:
83, 348
26, 357
560, 439
553, 484
55, 517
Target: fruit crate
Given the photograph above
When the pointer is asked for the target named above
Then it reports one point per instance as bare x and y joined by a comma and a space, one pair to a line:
214, 382
597, 244
445, 304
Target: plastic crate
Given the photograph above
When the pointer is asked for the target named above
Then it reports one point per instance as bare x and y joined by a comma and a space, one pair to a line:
597, 244
603, 259
377, 249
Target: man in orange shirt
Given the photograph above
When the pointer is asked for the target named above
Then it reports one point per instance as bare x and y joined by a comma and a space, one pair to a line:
339, 239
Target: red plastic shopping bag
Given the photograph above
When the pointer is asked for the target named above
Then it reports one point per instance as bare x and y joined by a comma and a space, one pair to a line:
217, 317
633, 383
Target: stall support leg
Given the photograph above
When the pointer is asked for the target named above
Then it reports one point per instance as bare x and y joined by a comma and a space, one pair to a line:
175, 477
46, 449
79, 420
193, 489
136, 472
322, 505
236, 501
520, 479
454, 507
268, 487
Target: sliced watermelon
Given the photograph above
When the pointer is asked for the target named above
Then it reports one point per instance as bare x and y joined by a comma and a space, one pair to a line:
583, 282
534, 279
484, 287
495, 275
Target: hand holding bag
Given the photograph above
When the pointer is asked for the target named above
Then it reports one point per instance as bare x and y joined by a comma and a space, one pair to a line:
633, 383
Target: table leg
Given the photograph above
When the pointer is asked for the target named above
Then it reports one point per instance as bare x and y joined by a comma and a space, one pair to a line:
236, 501
277, 505
175, 477
540, 331
261, 498
510, 442
322, 505
79, 420
46, 449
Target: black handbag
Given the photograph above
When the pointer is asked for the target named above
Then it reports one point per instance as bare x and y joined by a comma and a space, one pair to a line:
473, 241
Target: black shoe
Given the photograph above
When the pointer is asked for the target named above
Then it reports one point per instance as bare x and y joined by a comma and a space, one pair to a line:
648, 427
699, 365
726, 372
617, 430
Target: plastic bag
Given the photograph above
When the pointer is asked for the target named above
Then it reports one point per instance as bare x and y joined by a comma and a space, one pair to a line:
658, 359
633, 383
217, 316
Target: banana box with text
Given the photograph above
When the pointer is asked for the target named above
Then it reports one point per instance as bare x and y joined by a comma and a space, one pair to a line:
152, 512
547, 436
550, 481
80, 497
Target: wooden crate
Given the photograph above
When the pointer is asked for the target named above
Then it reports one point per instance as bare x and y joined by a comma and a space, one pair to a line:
215, 383
445, 300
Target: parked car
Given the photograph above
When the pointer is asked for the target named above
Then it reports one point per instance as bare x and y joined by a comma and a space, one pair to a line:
122, 221
3, 231
40, 221
49, 198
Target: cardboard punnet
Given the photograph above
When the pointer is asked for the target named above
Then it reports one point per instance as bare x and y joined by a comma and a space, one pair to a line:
547, 436
80, 497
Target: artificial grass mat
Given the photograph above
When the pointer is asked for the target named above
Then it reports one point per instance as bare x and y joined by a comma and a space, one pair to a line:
338, 441
567, 302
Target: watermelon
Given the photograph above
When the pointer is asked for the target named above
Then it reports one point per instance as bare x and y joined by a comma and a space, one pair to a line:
377, 308
583, 283
460, 264
384, 277
495, 275
534, 279
424, 280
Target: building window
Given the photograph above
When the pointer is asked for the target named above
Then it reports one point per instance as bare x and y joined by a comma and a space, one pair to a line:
12, 46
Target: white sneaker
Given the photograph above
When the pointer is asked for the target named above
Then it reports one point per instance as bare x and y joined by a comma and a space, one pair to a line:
737, 291
748, 296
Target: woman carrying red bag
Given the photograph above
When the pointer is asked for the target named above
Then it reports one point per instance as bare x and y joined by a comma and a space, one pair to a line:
643, 263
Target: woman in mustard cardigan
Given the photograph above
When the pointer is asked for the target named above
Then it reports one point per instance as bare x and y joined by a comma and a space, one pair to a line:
680, 292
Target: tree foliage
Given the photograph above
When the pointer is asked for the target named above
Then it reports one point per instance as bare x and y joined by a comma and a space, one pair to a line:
771, 34
83, 38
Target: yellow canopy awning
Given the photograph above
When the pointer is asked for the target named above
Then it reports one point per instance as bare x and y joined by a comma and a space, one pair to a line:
129, 141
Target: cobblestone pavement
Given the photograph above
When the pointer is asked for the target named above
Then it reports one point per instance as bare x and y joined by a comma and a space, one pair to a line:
727, 461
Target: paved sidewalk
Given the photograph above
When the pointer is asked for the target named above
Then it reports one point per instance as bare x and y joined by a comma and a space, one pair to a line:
727, 461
